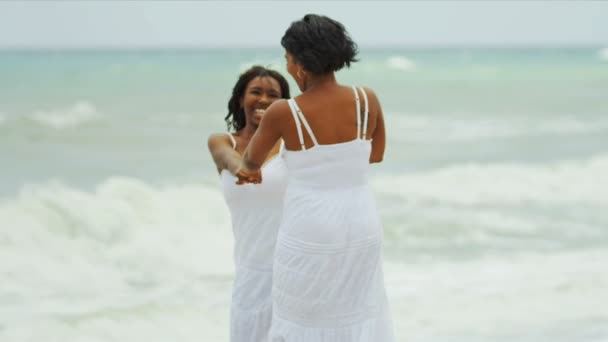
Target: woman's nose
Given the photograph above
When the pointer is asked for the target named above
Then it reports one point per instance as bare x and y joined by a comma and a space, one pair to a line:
265, 99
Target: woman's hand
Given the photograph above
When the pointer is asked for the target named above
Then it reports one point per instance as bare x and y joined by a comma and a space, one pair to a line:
246, 176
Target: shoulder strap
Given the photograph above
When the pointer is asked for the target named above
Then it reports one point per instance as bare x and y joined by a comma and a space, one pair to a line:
232, 139
358, 111
298, 116
365, 114
298, 126
282, 147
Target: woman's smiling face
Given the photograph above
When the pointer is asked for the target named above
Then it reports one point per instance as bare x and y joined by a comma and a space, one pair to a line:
260, 93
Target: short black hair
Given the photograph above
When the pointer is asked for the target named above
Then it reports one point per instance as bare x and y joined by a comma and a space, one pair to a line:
320, 44
236, 115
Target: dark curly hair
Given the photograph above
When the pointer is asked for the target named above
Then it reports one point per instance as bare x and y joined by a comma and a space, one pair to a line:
236, 115
320, 44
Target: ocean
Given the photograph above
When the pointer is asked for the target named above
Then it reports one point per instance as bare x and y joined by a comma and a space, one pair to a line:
493, 192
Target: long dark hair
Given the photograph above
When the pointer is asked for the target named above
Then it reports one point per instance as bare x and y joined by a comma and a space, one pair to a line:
236, 115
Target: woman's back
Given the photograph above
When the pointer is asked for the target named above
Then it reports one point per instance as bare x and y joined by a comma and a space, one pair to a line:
341, 159
328, 179
331, 113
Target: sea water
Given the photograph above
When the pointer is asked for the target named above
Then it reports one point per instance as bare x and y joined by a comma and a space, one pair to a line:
493, 192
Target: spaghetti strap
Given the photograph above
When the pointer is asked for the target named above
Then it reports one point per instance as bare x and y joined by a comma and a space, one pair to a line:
232, 139
358, 111
298, 126
297, 113
306, 125
365, 114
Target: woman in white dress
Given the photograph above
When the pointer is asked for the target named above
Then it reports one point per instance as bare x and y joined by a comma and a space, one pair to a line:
255, 210
328, 283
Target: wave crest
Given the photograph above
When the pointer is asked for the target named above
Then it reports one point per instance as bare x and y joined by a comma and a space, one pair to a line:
400, 63
80, 113
122, 223
603, 54
567, 182
424, 128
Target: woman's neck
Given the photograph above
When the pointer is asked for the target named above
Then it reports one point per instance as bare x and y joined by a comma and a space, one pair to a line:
248, 131
320, 81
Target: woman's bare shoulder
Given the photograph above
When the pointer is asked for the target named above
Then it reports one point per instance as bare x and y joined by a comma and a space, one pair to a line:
278, 110
219, 139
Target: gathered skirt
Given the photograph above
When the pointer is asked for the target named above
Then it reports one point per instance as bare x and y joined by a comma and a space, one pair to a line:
251, 308
329, 292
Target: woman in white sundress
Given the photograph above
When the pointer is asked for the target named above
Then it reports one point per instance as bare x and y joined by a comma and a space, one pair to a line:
328, 282
255, 210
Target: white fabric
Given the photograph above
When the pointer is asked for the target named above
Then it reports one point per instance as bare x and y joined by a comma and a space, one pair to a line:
365, 114
293, 105
328, 282
232, 140
255, 210
358, 102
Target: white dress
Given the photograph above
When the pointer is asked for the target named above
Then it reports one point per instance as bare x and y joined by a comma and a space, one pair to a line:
328, 280
255, 212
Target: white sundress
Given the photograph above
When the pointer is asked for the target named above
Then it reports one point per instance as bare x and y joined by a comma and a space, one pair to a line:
255, 211
328, 282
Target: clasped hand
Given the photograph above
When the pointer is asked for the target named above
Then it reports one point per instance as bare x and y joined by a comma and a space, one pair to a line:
246, 176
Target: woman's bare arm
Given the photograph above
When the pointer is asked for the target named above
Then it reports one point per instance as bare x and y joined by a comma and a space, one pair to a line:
379, 134
224, 155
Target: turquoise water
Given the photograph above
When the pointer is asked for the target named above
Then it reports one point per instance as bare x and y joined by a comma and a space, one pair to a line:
493, 192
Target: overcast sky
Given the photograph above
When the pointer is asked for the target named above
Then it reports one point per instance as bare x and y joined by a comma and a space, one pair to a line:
137, 24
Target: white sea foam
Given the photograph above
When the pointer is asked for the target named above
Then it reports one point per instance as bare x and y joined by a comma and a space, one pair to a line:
496, 206
124, 236
400, 63
574, 182
125, 247
603, 54
425, 128
81, 112
518, 297
479, 208
134, 261
495, 298
123, 212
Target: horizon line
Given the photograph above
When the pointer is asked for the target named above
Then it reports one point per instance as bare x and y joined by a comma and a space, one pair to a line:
45, 48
